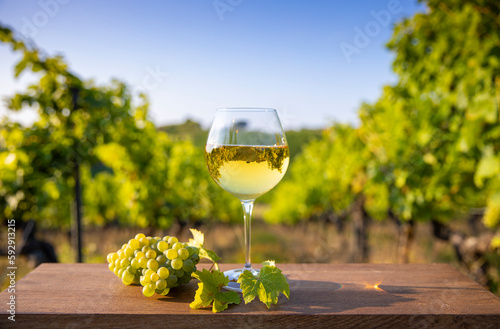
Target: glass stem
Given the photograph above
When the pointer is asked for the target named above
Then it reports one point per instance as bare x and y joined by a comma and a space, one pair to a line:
247, 206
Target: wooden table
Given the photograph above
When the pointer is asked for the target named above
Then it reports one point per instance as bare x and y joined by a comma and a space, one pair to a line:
322, 295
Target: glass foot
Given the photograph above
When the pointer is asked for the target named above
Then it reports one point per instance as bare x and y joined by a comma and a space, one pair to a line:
233, 276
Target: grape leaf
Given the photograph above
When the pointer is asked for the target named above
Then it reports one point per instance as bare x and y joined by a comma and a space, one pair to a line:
269, 263
209, 254
209, 293
267, 285
197, 241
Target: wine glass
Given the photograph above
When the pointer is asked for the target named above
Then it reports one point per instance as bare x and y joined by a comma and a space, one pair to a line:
247, 155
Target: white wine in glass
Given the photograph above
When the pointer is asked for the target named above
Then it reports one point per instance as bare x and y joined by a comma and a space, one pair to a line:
247, 155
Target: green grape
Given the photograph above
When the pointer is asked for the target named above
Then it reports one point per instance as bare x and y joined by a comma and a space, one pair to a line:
153, 265
127, 278
151, 240
179, 273
120, 272
195, 258
172, 240
144, 242
162, 246
177, 264
185, 279
133, 244
129, 252
124, 262
166, 237
131, 270
139, 236
116, 270
163, 272
183, 253
111, 266
161, 284
124, 246
165, 291
157, 238
148, 272
172, 254
120, 253
148, 290
154, 277
171, 280
146, 279
135, 263
188, 265
161, 259
118, 262
154, 247
145, 249
191, 250
168, 263
177, 246
151, 254
139, 254
143, 262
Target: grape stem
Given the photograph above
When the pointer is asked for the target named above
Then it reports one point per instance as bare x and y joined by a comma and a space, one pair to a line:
216, 266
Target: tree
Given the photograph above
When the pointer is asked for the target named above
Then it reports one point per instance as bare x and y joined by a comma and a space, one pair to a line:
433, 138
444, 151
131, 173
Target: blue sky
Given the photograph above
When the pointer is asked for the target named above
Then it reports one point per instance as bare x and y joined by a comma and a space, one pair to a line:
192, 57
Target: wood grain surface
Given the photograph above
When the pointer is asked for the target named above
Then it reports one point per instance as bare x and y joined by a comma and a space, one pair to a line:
322, 296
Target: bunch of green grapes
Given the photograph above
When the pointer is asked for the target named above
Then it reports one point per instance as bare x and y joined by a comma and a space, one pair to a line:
158, 264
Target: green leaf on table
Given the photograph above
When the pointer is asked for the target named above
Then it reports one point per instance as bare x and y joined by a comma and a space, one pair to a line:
267, 285
269, 263
209, 254
209, 293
